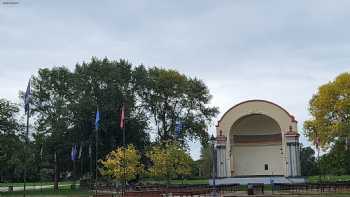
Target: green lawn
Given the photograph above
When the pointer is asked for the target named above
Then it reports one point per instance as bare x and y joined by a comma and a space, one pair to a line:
50, 192
329, 178
177, 182
34, 184
190, 181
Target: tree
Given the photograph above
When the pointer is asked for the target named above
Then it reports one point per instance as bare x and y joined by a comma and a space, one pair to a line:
51, 106
11, 145
169, 160
9, 125
170, 97
65, 102
114, 163
330, 111
206, 160
336, 161
308, 162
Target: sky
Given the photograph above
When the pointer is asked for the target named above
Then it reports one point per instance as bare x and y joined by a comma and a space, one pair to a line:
281, 51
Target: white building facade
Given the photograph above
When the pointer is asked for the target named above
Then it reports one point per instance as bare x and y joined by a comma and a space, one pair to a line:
257, 138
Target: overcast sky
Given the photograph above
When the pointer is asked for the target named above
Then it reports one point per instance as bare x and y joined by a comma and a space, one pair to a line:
275, 50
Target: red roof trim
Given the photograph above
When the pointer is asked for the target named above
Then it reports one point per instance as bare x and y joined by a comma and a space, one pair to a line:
257, 100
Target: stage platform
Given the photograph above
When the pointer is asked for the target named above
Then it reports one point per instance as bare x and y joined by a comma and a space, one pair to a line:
257, 179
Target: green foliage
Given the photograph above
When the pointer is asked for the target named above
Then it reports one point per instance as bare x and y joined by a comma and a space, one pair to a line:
11, 145
169, 160
196, 169
206, 161
308, 163
8, 122
51, 103
168, 97
65, 102
328, 178
336, 161
330, 111
63, 107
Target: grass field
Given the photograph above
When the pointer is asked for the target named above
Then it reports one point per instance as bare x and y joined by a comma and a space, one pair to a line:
50, 192
329, 178
34, 184
177, 182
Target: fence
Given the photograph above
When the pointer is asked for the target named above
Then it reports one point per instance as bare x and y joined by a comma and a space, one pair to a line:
312, 187
107, 190
206, 190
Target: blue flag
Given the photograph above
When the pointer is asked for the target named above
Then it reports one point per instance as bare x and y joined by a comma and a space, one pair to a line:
97, 120
178, 127
27, 96
74, 152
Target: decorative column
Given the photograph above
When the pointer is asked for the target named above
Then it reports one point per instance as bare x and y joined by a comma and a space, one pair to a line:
293, 151
221, 155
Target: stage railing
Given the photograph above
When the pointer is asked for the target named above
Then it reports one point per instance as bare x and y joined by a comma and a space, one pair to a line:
312, 187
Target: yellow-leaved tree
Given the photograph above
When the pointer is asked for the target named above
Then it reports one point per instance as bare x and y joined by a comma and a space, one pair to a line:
330, 111
119, 167
169, 160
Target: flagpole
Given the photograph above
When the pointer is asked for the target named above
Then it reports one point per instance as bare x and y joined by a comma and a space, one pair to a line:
27, 96
81, 160
41, 161
318, 156
96, 148
90, 161
74, 155
124, 145
25, 159
97, 119
319, 164
55, 186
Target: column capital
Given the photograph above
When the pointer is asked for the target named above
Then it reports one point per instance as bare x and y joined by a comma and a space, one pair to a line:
291, 133
221, 140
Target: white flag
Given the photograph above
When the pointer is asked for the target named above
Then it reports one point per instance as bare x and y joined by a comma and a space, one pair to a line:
80, 151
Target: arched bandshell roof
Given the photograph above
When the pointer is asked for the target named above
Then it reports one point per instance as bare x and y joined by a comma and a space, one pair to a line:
257, 100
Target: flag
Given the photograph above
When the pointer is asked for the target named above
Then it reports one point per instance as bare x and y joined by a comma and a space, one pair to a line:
97, 120
347, 143
317, 142
80, 151
90, 150
178, 127
122, 118
41, 152
27, 97
73, 154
